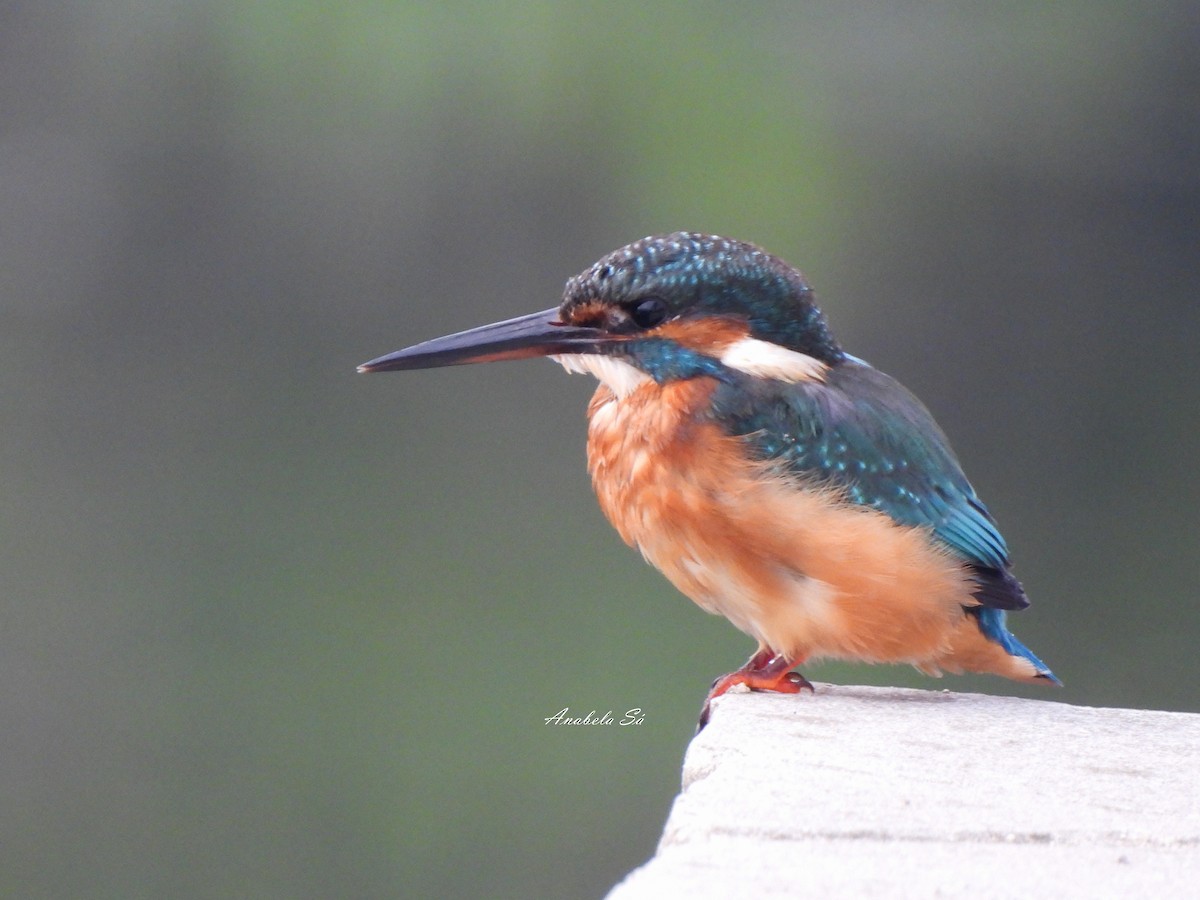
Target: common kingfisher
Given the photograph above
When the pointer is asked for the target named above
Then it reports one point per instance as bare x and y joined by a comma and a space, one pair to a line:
769, 475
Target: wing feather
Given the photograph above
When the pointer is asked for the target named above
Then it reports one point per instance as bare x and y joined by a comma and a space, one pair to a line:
863, 432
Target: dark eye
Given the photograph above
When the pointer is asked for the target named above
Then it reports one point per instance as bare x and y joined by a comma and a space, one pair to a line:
648, 312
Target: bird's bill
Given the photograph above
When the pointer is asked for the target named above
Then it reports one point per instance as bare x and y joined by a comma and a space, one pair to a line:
539, 334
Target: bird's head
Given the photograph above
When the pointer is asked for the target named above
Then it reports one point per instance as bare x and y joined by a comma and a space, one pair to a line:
663, 308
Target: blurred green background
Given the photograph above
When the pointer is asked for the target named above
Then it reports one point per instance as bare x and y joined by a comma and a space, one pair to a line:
273, 629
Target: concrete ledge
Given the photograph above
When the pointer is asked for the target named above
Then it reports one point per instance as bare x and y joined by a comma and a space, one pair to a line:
883, 792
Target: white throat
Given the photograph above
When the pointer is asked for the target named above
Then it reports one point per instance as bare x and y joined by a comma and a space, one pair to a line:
617, 375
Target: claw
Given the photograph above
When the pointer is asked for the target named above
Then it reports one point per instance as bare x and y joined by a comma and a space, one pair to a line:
800, 682
764, 671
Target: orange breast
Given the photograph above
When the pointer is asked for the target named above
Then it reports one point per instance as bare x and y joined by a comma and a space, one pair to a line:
798, 570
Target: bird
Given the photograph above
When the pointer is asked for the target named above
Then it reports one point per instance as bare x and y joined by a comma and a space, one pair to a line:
772, 477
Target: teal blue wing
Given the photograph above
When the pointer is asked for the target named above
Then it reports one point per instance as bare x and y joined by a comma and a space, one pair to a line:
864, 433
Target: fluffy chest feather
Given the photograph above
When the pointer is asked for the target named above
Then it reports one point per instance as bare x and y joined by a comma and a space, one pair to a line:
795, 568
678, 489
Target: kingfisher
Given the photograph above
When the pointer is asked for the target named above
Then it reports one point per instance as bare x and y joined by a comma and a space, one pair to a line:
772, 477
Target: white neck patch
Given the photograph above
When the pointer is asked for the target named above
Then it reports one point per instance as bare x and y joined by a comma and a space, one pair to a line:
766, 360
617, 375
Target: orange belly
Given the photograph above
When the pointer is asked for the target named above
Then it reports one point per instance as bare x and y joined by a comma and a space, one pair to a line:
801, 572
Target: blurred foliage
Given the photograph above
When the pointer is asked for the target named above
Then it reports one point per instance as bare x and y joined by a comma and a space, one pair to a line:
271, 629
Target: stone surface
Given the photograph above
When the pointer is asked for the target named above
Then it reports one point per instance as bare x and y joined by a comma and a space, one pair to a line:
884, 792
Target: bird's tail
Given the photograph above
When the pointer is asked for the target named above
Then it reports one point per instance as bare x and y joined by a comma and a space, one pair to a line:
983, 643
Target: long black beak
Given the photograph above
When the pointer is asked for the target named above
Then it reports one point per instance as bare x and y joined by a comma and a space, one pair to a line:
539, 334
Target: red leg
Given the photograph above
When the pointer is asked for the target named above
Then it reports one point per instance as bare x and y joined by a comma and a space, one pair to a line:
764, 671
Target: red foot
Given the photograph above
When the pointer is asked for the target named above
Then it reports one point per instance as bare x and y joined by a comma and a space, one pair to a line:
764, 671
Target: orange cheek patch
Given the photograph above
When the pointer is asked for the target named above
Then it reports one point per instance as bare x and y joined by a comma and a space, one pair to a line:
711, 335
589, 314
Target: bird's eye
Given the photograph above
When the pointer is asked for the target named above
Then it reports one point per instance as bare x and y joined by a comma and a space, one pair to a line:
648, 312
